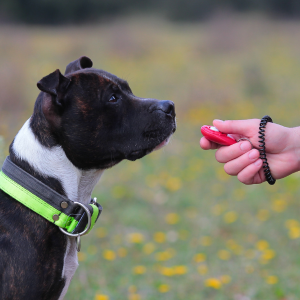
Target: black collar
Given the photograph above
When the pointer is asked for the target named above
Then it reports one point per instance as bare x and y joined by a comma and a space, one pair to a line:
73, 218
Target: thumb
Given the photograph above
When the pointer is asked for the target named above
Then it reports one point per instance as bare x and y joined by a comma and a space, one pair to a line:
243, 127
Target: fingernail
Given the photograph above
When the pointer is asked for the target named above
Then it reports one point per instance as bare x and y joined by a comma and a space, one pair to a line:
253, 154
218, 120
258, 162
244, 146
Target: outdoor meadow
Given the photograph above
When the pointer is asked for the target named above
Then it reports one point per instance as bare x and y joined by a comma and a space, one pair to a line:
174, 225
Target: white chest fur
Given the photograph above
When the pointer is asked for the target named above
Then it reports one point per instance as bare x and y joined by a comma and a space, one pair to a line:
77, 184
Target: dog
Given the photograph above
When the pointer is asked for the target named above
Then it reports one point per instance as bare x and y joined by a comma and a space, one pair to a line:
83, 122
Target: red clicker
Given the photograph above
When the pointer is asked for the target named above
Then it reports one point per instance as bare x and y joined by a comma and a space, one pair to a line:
214, 135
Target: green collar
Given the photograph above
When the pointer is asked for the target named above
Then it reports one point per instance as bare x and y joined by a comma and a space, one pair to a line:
73, 218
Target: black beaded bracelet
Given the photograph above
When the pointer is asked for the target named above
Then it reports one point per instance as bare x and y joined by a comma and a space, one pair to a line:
262, 149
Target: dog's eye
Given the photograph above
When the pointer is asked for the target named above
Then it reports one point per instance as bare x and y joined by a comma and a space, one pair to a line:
113, 98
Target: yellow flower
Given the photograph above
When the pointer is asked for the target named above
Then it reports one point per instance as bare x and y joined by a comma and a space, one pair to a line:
292, 223
272, 279
263, 215
164, 255
136, 238
206, 241
81, 256
180, 270
236, 248
202, 269
231, 244
101, 232
139, 269
134, 297
172, 218
279, 205
122, 252
268, 254
199, 257
132, 289
167, 271
224, 254
230, 217
173, 184
213, 283
163, 288
262, 245
159, 237
225, 279
294, 232
149, 248
101, 297
109, 255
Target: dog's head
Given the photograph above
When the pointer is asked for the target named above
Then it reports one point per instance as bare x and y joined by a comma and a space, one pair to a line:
94, 116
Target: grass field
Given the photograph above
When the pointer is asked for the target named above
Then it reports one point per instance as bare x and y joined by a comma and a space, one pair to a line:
174, 225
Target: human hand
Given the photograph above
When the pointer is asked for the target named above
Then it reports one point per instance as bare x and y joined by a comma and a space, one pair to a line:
282, 150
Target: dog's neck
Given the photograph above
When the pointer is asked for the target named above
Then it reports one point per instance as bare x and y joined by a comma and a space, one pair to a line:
51, 166
52, 162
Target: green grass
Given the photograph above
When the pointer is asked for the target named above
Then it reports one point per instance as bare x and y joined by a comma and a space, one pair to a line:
174, 225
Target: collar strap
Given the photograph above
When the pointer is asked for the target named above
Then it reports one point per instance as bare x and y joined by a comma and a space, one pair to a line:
71, 216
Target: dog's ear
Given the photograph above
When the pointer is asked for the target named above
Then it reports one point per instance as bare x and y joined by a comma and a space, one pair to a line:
82, 62
54, 84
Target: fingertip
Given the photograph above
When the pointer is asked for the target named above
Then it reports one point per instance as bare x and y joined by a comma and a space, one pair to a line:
217, 123
253, 154
245, 146
258, 163
204, 143
250, 174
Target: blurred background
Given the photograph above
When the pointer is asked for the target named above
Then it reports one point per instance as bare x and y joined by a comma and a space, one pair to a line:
174, 225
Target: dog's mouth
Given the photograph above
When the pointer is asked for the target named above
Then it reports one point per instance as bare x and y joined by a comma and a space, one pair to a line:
137, 154
153, 134
141, 153
162, 144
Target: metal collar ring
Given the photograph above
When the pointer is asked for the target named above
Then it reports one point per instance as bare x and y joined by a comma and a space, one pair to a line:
88, 224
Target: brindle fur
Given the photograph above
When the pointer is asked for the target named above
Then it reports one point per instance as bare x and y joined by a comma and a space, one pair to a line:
73, 112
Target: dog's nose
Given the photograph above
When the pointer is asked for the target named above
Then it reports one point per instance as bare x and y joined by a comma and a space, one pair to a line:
165, 105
